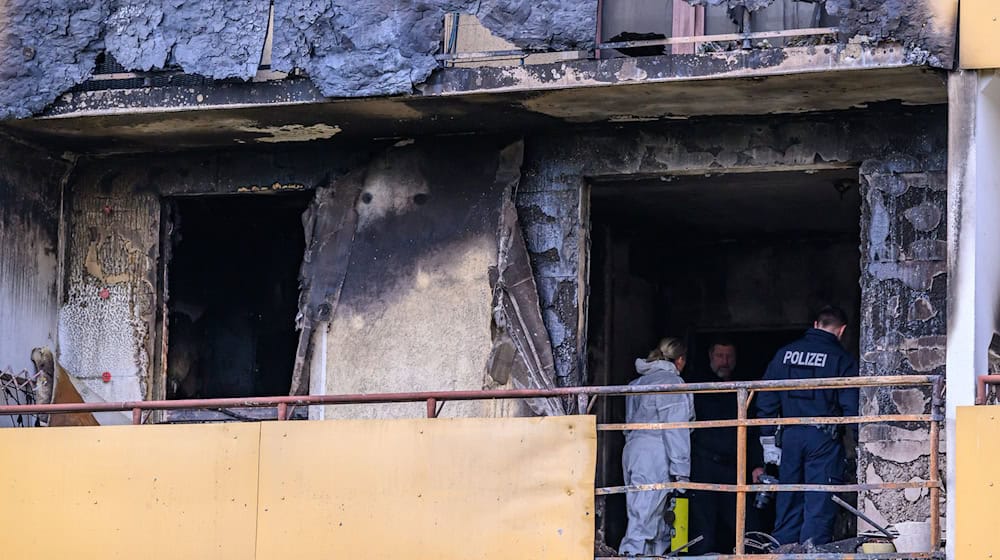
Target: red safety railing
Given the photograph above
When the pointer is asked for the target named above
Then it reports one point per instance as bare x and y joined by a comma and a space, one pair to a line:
745, 390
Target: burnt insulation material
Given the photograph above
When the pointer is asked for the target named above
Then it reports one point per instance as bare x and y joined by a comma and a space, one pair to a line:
47, 47
220, 39
752, 5
911, 23
385, 47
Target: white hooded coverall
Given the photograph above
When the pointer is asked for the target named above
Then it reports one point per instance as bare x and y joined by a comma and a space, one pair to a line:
654, 456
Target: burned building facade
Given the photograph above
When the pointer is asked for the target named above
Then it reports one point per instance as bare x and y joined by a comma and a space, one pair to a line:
248, 199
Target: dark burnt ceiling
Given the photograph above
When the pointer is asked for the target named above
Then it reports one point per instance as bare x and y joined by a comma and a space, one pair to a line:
809, 203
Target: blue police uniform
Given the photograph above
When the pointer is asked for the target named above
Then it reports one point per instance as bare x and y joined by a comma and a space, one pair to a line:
809, 454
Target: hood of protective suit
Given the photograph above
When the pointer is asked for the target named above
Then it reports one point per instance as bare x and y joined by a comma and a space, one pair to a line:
661, 367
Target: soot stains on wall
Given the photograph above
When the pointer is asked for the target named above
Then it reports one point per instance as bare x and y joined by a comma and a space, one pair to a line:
904, 283
29, 221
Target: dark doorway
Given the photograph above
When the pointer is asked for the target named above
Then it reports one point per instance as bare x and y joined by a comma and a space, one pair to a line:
233, 295
749, 256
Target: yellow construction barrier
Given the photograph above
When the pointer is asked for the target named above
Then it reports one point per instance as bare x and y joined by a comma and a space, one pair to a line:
485, 488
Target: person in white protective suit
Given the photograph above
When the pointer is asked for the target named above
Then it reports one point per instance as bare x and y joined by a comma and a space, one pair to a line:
655, 456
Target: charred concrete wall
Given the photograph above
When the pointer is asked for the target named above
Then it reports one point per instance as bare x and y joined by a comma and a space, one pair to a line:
903, 286
414, 311
30, 187
347, 48
414, 307
926, 28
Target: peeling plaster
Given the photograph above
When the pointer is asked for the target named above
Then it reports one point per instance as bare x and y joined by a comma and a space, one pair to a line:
894, 444
292, 132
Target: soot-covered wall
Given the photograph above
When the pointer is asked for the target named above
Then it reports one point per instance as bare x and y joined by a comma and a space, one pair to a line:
108, 319
414, 307
29, 224
903, 252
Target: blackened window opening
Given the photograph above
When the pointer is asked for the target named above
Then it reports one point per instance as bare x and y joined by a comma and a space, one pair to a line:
233, 295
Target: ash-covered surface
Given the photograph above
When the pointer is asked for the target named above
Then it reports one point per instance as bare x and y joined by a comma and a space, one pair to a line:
911, 23
216, 39
347, 48
358, 49
47, 47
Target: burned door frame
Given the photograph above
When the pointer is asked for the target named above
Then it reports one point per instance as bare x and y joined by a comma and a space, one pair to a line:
158, 377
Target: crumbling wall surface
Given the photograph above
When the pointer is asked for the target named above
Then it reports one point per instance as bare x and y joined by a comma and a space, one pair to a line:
106, 323
29, 223
357, 49
927, 29
549, 203
904, 328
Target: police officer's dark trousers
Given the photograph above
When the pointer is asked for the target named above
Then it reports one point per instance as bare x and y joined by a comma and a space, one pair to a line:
811, 456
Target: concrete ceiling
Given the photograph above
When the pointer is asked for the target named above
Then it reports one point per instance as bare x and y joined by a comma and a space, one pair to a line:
738, 204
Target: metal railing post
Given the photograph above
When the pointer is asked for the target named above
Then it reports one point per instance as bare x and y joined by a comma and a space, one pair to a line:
937, 409
432, 408
742, 398
282, 411
137, 416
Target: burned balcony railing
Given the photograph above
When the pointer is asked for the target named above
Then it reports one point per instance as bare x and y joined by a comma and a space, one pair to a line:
744, 390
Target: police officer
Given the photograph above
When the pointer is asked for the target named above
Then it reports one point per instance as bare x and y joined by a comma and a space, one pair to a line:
811, 454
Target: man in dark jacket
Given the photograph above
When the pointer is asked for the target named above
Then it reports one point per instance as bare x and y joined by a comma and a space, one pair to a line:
713, 457
810, 454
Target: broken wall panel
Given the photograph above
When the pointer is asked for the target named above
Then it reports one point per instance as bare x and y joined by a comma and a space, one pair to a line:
414, 311
30, 198
129, 189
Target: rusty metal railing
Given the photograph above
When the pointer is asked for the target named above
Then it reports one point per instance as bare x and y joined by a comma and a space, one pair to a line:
744, 393
744, 390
